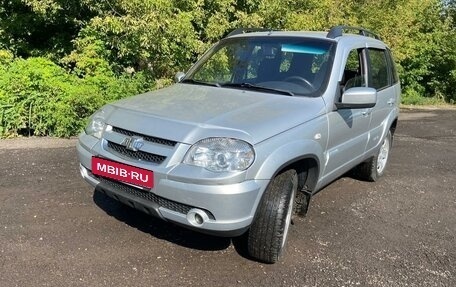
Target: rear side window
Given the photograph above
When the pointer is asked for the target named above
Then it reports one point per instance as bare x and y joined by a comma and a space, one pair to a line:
379, 69
394, 76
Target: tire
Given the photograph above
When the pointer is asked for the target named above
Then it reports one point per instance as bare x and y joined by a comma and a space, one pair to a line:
373, 169
269, 230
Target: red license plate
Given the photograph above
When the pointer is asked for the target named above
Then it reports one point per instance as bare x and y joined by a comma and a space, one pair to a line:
122, 172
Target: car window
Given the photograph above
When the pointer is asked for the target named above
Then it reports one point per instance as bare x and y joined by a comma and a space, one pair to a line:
218, 68
353, 75
379, 70
284, 63
299, 65
394, 75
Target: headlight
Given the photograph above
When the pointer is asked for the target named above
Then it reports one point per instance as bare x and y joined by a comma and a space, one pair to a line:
96, 124
221, 154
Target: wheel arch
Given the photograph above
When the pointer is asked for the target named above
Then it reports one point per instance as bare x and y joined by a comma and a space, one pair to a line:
393, 126
304, 156
307, 168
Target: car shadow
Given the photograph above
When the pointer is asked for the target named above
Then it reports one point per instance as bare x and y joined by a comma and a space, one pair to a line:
355, 174
159, 228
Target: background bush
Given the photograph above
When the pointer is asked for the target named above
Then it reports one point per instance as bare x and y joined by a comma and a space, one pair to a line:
61, 60
40, 97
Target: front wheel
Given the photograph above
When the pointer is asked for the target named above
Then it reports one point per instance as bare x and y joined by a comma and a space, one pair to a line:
269, 230
375, 167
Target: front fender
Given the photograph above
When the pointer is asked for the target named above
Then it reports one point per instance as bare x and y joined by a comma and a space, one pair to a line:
286, 154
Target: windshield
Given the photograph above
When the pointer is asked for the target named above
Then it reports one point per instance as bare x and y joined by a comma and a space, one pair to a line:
287, 65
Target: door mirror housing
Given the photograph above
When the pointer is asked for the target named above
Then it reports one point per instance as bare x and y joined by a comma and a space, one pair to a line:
179, 76
358, 98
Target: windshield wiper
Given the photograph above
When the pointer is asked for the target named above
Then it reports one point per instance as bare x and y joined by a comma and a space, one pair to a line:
196, 82
258, 88
247, 86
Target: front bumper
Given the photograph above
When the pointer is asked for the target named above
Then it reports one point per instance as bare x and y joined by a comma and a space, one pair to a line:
225, 209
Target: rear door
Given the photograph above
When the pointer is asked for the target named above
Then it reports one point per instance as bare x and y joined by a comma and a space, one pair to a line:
381, 76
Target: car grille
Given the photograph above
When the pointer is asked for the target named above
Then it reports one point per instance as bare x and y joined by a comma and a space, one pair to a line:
149, 196
145, 137
138, 155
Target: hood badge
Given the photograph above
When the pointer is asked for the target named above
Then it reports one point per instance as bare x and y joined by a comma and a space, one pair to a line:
133, 143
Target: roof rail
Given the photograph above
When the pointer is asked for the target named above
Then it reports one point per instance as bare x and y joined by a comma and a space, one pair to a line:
338, 31
247, 30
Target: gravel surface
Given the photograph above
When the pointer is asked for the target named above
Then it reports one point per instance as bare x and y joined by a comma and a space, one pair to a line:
399, 231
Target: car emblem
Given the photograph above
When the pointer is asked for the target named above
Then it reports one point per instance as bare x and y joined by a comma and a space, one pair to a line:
133, 143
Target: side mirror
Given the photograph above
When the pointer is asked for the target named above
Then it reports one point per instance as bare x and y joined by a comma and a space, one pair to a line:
179, 76
358, 98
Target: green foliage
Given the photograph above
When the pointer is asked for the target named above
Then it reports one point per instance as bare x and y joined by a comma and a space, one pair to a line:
60, 60
146, 35
41, 27
411, 97
39, 95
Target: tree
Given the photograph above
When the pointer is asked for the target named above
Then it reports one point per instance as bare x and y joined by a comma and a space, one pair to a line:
41, 27
116, 48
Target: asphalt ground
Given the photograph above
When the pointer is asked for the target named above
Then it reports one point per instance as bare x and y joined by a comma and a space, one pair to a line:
399, 231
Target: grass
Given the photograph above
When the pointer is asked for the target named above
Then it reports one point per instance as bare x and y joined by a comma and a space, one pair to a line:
416, 99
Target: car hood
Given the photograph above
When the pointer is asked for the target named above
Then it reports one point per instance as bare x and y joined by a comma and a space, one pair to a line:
187, 113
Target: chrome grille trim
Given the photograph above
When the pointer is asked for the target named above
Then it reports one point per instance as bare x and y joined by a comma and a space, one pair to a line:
145, 137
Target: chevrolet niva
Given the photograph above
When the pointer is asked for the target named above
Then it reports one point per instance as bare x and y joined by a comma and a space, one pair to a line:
263, 121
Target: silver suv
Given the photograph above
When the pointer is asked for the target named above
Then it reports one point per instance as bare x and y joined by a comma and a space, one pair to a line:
263, 121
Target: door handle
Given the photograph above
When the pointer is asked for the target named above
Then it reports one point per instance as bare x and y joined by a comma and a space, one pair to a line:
391, 102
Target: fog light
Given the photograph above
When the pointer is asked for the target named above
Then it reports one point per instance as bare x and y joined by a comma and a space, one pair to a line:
197, 217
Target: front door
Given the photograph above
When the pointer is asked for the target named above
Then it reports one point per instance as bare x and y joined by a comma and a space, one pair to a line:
348, 128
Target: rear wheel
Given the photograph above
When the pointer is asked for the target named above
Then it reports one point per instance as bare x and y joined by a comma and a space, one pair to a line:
269, 230
375, 167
